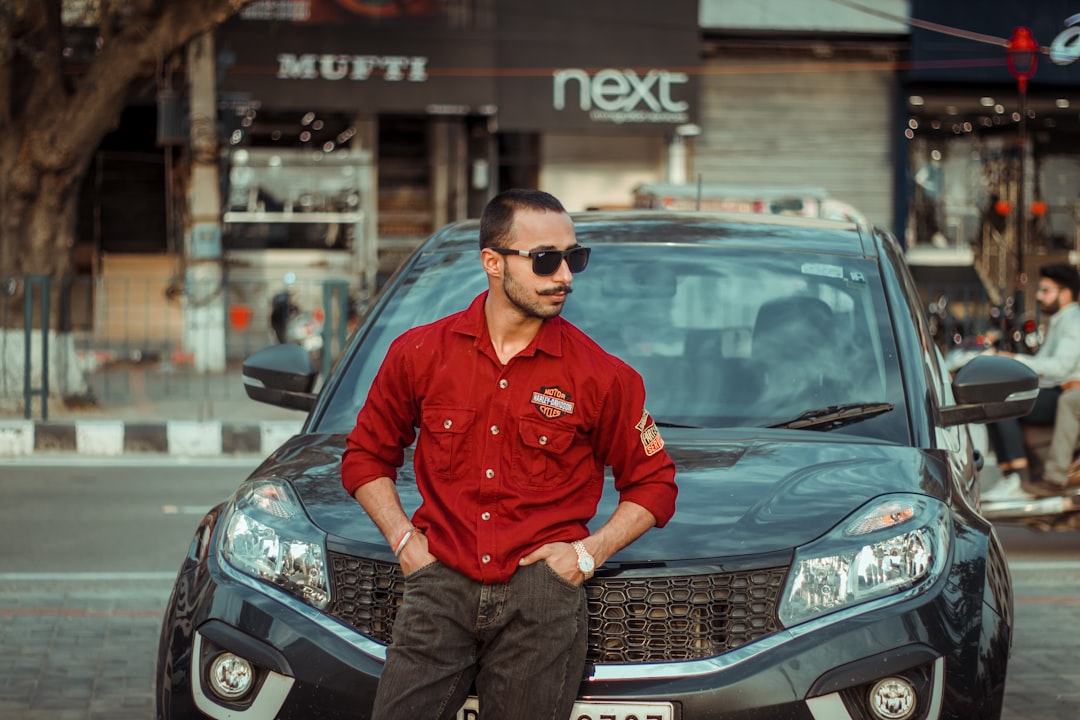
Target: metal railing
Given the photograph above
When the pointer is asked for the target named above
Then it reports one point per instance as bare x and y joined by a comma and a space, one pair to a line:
122, 340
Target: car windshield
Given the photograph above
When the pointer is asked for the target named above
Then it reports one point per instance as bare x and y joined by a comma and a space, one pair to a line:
723, 337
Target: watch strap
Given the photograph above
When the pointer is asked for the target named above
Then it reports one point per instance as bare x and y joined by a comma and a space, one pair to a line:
582, 553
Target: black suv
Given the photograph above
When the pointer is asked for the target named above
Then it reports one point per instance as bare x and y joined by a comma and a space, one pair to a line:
827, 558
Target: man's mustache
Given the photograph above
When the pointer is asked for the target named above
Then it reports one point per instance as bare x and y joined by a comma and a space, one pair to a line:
558, 289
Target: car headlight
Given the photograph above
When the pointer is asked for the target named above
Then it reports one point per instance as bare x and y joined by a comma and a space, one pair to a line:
894, 544
269, 537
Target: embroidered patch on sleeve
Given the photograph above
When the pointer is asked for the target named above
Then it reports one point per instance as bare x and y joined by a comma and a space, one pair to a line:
650, 434
552, 402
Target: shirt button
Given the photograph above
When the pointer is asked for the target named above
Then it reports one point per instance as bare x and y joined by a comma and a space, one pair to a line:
503, 384
490, 473
486, 559
494, 429
543, 439
485, 516
447, 423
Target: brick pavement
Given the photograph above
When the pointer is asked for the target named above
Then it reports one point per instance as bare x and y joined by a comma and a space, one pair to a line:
79, 651
1044, 677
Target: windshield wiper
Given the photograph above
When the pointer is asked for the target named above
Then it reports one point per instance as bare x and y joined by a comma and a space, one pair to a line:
834, 416
664, 423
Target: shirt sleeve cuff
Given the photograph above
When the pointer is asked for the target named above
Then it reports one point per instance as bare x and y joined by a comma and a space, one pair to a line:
355, 474
658, 501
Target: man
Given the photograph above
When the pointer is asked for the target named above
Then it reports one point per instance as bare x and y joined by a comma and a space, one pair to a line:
1058, 364
520, 411
1062, 475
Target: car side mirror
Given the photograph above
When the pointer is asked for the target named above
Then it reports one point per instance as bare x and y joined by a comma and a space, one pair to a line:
991, 388
281, 375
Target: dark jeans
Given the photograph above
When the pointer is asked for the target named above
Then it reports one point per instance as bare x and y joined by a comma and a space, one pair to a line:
523, 643
1006, 436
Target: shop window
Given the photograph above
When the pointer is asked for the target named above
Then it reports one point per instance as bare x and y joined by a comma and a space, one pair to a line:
405, 208
293, 199
519, 160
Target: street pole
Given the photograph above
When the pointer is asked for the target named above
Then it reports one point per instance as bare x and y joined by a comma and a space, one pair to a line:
1021, 219
204, 307
1022, 53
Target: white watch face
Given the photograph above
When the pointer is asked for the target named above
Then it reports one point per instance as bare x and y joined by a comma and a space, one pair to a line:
585, 563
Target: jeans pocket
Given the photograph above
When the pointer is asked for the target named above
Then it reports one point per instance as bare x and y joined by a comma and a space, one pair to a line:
423, 569
559, 578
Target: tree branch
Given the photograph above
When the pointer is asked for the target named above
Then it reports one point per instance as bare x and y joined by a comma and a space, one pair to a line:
52, 120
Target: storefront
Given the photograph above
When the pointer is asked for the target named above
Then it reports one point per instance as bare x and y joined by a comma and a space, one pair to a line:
976, 168
601, 92
803, 93
457, 100
407, 86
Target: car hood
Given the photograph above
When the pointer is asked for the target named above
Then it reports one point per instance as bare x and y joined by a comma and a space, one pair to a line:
741, 493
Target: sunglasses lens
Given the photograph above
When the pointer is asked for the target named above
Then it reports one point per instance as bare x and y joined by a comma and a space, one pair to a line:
546, 263
577, 259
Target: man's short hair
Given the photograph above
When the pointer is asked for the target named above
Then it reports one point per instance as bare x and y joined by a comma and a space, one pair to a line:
497, 220
1064, 275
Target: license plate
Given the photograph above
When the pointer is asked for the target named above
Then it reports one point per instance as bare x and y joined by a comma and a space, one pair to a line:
594, 711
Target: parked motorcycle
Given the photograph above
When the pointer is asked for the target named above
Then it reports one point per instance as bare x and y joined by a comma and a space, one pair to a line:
1061, 512
291, 324
1049, 513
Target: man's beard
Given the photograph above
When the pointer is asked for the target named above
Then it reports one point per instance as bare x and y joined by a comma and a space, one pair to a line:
521, 297
1050, 308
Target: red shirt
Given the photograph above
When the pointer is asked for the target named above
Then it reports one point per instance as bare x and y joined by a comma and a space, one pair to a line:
509, 457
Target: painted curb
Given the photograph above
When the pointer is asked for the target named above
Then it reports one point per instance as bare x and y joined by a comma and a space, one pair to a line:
113, 438
16, 438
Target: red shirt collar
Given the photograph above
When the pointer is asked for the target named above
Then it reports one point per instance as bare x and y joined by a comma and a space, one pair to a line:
473, 323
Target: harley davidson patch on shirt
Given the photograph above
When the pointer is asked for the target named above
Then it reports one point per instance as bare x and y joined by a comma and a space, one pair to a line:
552, 402
650, 434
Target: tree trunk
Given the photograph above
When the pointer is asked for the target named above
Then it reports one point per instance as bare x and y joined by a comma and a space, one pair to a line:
53, 117
42, 223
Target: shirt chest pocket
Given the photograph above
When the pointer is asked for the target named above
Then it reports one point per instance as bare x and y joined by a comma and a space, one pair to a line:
542, 457
449, 448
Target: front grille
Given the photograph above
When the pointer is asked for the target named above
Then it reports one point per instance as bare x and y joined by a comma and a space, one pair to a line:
685, 617
631, 619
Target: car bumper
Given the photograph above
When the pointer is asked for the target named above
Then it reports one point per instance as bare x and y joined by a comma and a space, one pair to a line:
309, 665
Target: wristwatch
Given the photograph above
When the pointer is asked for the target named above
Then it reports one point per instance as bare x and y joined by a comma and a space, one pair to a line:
585, 562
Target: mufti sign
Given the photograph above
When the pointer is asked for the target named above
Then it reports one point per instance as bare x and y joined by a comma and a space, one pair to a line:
622, 96
392, 68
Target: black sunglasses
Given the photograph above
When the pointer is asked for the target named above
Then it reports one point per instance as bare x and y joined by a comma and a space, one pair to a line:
547, 262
